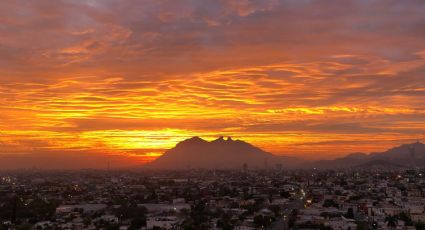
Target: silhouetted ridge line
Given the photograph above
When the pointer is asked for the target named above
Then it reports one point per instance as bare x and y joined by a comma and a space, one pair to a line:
221, 153
403, 156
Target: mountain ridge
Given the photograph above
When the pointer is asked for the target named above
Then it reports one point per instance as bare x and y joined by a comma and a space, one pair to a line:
228, 153
405, 155
222, 153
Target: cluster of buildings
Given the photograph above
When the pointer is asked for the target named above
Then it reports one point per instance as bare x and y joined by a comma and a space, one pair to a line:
213, 199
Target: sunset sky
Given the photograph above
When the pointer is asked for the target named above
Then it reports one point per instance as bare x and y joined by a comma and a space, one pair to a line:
309, 78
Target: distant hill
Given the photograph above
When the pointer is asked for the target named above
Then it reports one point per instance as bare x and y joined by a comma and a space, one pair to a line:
233, 154
407, 155
379, 164
220, 154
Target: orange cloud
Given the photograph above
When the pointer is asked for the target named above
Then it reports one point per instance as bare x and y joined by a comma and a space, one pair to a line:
310, 79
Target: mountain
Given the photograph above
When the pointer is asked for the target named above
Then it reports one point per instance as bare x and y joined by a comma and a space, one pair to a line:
233, 154
219, 154
379, 164
407, 155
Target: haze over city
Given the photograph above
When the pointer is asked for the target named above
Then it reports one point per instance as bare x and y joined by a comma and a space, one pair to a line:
124, 81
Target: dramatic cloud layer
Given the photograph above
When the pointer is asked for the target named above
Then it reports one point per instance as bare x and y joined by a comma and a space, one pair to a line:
311, 78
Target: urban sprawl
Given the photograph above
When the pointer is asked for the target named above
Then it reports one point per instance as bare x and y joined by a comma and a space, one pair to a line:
213, 199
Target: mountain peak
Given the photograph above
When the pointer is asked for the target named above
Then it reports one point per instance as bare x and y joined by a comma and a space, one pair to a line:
220, 153
193, 140
417, 147
218, 140
221, 138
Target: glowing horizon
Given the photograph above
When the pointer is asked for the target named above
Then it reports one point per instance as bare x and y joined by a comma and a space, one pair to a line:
311, 79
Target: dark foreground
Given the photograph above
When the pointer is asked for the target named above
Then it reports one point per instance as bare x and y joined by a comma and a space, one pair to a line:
213, 199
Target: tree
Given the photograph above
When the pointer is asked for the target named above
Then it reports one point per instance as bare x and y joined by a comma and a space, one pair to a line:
138, 222
15, 209
24, 226
323, 227
188, 224
391, 221
330, 203
87, 221
350, 213
293, 218
285, 194
405, 218
198, 217
361, 225
420, 226
374, 225
261, 221
224, 224
130, 212
276, 210
112, 226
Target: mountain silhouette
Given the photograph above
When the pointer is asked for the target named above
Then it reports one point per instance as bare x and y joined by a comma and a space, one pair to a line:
379, 164
233, 154
407, 155
220, 154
